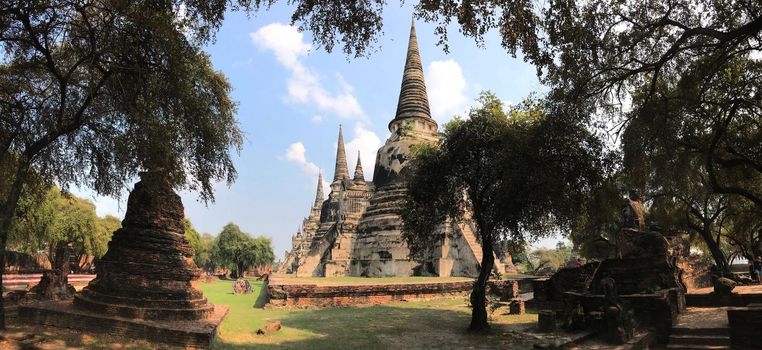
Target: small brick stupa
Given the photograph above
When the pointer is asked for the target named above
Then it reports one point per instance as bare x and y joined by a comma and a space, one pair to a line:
148, 272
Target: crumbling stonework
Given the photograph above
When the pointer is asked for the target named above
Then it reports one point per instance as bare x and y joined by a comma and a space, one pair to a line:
54, 284
148, 272
241, 286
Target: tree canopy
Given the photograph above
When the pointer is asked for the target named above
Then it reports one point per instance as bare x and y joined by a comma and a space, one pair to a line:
517, 176
201, 244
61, 218
237, 250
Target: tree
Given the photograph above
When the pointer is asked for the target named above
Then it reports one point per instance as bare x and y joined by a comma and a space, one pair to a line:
547, 261
61, 219
198, 243
517, 176
93, 92
237, 250
205, 257
742, 225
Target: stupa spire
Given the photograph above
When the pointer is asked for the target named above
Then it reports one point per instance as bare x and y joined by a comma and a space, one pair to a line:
413, 100
319, 197
341, 171
359, 176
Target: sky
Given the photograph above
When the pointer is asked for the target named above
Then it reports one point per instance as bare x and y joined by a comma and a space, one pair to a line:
292, 96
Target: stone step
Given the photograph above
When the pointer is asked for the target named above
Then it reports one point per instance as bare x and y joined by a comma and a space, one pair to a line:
690, 339
701, 331
155, 313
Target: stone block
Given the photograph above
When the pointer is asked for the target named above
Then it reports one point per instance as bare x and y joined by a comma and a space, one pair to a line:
546, 321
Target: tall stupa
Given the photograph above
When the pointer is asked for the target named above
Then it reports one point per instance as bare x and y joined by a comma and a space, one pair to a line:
357, 231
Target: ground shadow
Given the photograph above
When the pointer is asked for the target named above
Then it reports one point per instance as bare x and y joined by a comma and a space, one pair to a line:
262, 298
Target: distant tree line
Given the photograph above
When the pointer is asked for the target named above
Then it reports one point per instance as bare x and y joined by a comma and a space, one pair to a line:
233, 249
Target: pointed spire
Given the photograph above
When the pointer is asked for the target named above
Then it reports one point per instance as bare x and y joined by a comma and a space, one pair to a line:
341, 171
359, 176
319, 196
413, 101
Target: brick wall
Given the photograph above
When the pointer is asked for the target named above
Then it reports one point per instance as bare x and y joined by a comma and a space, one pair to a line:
309, 295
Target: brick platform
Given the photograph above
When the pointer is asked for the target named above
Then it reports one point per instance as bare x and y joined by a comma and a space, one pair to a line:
187, 334
281, 293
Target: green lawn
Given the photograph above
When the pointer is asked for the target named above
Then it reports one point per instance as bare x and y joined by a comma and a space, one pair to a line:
432, 324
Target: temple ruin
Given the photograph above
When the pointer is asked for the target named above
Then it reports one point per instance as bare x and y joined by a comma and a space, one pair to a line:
356, 231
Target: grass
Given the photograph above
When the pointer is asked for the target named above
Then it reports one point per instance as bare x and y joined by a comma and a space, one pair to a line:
433, 324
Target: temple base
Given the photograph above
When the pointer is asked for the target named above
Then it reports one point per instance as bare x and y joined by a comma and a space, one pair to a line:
189, 334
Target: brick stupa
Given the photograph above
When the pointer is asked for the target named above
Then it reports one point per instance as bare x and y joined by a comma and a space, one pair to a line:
148, 272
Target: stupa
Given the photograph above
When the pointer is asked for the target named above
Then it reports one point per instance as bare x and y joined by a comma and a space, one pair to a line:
357, 230
145, 286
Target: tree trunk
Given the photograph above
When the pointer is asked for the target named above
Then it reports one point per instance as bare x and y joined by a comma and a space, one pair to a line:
240, 270
714, 247
479, 293
7, 212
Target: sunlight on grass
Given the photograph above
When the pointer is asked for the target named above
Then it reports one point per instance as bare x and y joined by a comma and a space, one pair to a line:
420, 324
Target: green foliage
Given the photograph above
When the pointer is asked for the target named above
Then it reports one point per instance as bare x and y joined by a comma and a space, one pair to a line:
545, 261
134, 93
520, 168
61, 218
520, 175
237, 250
201, 245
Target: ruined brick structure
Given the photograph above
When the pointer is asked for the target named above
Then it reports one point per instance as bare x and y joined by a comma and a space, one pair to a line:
357, 230
145, 286
148, 271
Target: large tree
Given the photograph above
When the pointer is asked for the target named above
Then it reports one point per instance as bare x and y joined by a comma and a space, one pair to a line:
516, 176
237, 250
59, 218
94, 91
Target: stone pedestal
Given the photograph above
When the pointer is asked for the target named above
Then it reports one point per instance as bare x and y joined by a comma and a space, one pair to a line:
148, 271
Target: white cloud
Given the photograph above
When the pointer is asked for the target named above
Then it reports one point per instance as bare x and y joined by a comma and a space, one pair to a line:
285, 41
317, 118
304, 86
297, 154
368, 143
446, 86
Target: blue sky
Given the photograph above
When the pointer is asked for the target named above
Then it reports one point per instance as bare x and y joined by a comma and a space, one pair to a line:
292, 97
